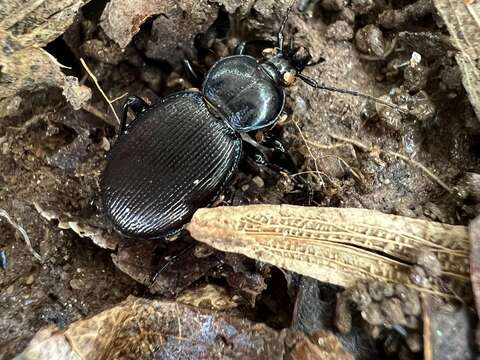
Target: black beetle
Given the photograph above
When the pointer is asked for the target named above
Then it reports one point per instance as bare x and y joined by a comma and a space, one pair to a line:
177, 154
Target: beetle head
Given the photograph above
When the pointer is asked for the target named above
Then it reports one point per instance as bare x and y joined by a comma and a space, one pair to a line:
284, 66
288, 64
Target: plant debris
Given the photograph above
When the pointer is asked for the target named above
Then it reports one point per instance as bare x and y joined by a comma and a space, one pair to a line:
321, 242
25, 65
463, 25
173, 328
65, 69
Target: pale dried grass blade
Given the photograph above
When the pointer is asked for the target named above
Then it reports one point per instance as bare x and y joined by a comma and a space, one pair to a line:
339, 246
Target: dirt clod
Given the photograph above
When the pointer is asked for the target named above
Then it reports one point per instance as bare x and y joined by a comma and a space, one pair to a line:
370, 40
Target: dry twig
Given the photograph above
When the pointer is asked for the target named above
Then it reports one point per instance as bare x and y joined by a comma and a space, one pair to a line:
95, 80
22, 232
412, 162
309, 151
427, 327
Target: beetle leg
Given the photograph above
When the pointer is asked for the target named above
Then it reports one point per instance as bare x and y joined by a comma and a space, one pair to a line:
195, 76
136, 104
272, 153
252, 47
240, 49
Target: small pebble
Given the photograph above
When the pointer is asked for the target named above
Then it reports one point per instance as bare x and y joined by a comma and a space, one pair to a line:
340, 31
360, 296
333, 5
77, 284
393, 312
391, 344
343, 315
412, 322
414, 342
361, 7
412, 305
429, 262
373, 314
153, 77
373, 330
388, 290
29, 280
390, 117
346, 14
419, 277
258, 181
375, 289
370, 40
415, 77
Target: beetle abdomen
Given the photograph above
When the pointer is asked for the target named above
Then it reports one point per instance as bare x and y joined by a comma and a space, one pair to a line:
173, 159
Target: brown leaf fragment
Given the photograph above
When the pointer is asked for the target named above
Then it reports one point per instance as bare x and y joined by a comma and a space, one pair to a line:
339, 246
323, 345
463, 23
25, 27
208, 296
140, 261
172, 32
154, 329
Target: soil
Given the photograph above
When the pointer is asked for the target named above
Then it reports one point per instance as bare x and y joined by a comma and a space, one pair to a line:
52, 155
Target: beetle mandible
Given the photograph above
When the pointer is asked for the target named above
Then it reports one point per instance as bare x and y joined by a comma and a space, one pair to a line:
177, 154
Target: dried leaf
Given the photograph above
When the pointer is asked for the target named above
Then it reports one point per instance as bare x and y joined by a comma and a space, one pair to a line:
176, 28
208, 297
80, 226
153, 329
339, 246
323, 345
140, 260
25, 27
463, 22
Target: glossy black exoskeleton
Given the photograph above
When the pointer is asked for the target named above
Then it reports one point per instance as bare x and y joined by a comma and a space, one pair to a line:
177, 154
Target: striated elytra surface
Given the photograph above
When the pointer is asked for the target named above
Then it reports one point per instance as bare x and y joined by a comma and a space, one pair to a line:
339, 246
174, 158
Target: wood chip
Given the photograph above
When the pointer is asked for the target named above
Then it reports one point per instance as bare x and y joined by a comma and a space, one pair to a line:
339, 246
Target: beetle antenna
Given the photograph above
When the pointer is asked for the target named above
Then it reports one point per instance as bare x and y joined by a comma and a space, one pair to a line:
280, 37
313, 83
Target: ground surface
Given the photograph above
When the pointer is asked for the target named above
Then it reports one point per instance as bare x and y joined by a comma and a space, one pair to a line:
52, 156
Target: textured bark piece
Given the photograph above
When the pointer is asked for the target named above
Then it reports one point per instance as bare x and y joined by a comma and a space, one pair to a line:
339, 246
463, 22
25, 27
153, 329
